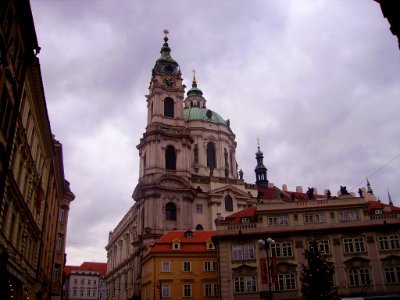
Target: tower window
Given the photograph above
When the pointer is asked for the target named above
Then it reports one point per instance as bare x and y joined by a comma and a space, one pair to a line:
228, 203
169, 107
211, 160
170, 158
170, 212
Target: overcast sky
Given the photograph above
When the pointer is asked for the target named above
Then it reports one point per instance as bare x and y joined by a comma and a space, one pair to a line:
317, 81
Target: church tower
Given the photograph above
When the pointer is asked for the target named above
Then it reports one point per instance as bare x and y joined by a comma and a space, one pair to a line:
164, 194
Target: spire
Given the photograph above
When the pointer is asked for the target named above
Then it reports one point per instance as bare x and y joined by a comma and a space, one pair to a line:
165, 49
260, 170
165, 64
369, 190
194, 91
390, 199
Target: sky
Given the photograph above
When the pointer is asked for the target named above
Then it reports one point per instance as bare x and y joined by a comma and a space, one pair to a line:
317, 82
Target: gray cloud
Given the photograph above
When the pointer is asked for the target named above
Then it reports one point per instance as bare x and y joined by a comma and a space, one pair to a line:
318, 82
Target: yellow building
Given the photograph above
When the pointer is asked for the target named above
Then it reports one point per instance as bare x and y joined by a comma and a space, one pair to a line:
181, 265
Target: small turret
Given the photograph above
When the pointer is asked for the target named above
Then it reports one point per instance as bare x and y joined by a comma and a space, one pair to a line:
260, 170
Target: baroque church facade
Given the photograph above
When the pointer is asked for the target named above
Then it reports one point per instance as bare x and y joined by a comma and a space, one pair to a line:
188, 174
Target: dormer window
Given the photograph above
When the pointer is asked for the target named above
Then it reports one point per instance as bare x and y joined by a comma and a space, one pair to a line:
245, 220
188, 234
176, 245
378, 211
210, 245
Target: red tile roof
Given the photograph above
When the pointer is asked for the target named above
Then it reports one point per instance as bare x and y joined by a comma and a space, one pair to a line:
195, 243
236, 217
87, 266
372, 205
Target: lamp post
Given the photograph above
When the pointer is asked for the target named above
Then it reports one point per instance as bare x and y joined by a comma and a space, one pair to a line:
266, 243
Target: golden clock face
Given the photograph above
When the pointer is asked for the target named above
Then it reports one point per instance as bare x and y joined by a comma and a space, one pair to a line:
169, 82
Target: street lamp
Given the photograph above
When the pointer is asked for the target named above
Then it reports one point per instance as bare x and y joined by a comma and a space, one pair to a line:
266, 243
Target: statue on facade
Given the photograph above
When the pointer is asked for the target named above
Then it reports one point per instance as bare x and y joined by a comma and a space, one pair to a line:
328, 194
241, 174
343, 190
310, 193
360, 192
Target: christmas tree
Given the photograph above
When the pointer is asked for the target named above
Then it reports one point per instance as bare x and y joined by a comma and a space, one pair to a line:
317, 275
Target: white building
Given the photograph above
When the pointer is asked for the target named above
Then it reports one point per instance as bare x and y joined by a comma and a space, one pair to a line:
85, 282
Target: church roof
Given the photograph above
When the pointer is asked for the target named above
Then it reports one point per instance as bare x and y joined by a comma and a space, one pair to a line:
203, 114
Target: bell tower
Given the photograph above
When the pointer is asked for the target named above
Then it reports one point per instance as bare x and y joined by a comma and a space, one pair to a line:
165, 146
164, 195
166, 91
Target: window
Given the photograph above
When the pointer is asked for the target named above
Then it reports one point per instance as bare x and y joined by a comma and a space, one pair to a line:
56, 273
165, 290
228, 203
348, 216
187, 290
165, 266
216, 289
199, 209
74, 291
282, 249
315, 218
59, 242
211, 159
211, 290
323, 246
88, 293
242, 251
89, 281
392, 274
277, 221
170, 212
75, 280
245, 284
359, 277
352, 245
207, 290
169, 107
170, 158
82, 291
389, 242
285, 282
210, 266
199, 227
245, 220
186, 266
61, 217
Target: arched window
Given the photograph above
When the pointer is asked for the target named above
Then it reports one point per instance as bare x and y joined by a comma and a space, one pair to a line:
170, 158
169, 107
211, 161
228, 203
170, 212
199, 227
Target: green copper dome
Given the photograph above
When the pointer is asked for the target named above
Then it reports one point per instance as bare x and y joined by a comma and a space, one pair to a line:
204, 114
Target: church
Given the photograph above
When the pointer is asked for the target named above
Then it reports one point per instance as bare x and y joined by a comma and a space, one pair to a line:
189, 182
188, 174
